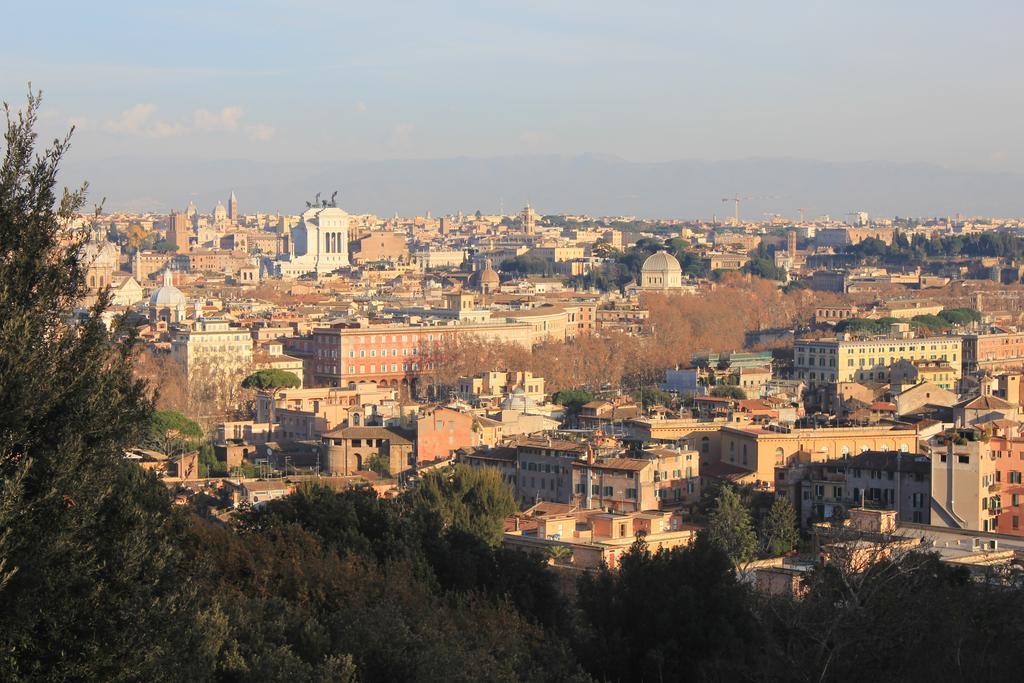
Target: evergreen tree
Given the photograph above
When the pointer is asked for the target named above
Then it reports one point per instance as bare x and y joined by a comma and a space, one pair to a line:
467, 500
271, 380
779, 532
730, 528
91, 586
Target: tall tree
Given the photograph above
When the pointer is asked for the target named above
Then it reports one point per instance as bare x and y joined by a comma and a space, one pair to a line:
467, 500
171, 432
730, 528
91, 585
271, 380
779, 532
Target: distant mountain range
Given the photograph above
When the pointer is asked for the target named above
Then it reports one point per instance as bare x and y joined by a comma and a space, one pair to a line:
590, 184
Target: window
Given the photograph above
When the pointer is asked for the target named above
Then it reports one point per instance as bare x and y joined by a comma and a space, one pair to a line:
962, 459
595, 489
608, 490
631, 493
356, 443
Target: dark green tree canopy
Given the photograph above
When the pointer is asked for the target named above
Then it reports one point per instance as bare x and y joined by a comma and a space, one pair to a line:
779, 532
272, 379
729, 391
730, 528
87, 565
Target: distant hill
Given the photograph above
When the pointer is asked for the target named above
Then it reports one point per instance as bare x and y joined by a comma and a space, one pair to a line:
592, 184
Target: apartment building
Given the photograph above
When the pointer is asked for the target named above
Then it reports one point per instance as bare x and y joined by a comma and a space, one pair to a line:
615, 485
763, 449
303, 414
488, 388
998, 351
1008, 451
394, 355
212, 343
545, 469
597, 539
440, 432
820, 361
880, 480
676, 475
963, 484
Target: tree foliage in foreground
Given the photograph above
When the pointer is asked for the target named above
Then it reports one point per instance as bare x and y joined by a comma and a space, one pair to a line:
91, 583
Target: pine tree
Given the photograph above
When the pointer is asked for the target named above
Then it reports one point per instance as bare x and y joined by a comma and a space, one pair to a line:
90, 583
779, 533
730, 527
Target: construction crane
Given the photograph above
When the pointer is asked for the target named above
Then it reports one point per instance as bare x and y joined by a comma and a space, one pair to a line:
801, 209
736, 204
736, 209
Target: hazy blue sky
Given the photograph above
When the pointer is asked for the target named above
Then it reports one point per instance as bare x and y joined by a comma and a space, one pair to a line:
275, 80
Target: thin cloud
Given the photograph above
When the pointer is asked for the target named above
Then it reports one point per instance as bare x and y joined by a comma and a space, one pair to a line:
140, 121
260, 131
401, 134
227, 119
136, 120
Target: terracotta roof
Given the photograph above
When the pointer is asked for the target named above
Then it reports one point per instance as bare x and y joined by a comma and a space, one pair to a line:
724, 470
985, 403
393, 435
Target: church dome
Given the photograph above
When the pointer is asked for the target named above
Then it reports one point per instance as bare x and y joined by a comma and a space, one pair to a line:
99, 253
518, 400
661, 262
167, 296
487, 278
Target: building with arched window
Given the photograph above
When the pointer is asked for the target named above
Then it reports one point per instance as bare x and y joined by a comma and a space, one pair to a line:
661, 271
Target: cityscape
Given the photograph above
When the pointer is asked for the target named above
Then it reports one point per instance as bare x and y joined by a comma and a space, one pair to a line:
516, 440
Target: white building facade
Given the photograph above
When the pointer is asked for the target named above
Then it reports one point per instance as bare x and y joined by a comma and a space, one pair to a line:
319, 243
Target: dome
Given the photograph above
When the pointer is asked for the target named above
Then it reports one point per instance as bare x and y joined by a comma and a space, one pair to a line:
518, 400
487, 278
661, 261
99, 253
167, 296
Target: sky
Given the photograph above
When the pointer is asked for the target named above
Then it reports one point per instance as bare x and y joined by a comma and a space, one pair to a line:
305, 80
